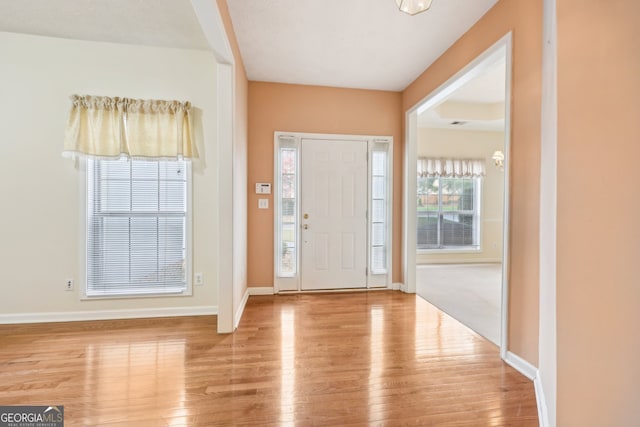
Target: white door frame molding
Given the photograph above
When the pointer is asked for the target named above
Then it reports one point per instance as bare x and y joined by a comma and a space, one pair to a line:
547, 348
409, 240
212, 26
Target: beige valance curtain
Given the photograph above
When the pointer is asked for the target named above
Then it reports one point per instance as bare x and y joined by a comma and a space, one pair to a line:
451, 168
105, 127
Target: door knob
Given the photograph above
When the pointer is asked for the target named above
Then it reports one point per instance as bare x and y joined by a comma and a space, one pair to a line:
305, 226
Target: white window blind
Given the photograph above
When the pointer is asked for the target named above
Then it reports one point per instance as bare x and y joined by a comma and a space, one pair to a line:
136, 227
448, 213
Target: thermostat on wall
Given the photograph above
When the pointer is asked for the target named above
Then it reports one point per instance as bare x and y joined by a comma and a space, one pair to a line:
263, 188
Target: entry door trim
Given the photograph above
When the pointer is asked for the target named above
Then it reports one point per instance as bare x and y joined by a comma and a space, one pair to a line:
290, 280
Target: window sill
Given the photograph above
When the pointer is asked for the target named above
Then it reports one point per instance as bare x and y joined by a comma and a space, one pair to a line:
448, 251
106, 296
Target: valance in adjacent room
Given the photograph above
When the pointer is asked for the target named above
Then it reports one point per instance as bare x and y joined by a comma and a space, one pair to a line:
451, 168
105, 127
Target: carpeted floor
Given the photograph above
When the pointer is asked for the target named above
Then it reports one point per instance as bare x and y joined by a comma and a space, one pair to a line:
470, 293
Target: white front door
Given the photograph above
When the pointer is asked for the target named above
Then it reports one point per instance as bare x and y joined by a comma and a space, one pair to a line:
333, 208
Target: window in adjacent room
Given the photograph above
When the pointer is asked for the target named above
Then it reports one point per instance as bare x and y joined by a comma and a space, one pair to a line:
448, 205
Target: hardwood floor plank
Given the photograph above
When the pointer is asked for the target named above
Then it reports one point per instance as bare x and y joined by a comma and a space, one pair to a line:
377, 358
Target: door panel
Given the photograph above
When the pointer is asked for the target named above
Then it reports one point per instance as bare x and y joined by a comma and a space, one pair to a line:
334, 202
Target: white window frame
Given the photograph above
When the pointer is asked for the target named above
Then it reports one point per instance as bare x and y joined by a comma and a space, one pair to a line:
83, 264
293, 140
380, 278
288, 282
477, 220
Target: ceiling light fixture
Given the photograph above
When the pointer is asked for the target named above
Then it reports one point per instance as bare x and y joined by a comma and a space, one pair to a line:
413, 7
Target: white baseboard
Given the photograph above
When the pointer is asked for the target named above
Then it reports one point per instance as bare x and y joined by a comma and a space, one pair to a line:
238, 315
531, 372
421, 262
76, 316
543, 412
521, 365
266, 290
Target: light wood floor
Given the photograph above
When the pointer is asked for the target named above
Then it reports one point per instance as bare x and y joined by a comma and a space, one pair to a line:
377, 358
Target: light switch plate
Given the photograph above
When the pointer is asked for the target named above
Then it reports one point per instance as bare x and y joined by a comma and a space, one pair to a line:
263, 203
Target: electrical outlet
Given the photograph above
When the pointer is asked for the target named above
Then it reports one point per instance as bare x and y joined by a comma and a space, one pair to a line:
199, 278
68, 285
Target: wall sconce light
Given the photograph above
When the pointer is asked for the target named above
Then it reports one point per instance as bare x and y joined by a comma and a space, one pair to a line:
413, 7
498, 158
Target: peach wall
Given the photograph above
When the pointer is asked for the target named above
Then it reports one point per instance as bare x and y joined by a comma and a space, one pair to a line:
297, 108
524, 19
598, 237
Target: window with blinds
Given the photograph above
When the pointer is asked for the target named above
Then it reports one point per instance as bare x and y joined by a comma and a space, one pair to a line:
448, 213
137, 227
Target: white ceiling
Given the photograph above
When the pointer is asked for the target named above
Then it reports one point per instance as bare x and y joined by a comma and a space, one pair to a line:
168, 23
347, 43
343, 43
485, 91
488, 87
